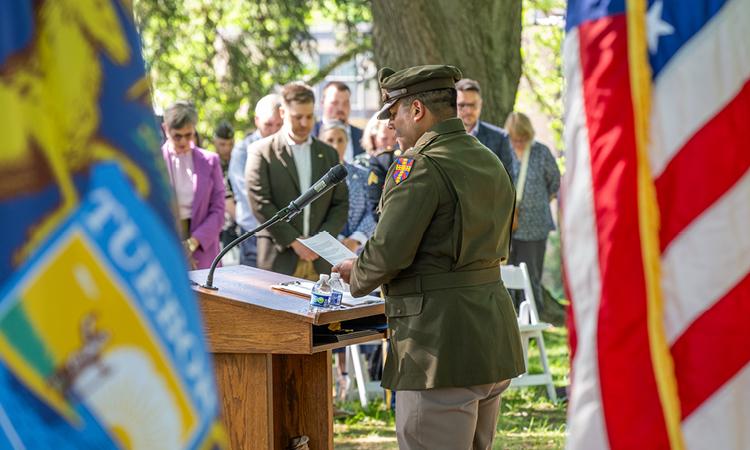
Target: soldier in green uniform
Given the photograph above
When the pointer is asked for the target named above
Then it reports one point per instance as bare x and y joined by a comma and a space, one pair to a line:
444, 229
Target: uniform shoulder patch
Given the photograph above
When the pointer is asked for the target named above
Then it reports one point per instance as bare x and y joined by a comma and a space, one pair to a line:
372, 179
402, 169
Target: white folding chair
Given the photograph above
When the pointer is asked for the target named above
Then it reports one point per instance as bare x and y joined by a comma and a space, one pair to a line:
366, 388
517, 277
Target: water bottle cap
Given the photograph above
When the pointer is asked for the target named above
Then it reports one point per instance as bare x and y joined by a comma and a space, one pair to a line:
335, 275
324, 277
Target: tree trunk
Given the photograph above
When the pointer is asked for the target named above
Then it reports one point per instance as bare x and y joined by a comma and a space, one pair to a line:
480, 37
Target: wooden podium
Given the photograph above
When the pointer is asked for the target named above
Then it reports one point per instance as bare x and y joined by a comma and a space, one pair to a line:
274, 376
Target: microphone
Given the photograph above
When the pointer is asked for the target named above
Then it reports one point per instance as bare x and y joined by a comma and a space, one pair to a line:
336, 175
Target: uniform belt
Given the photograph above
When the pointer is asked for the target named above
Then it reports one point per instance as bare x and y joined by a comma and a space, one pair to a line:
447, 280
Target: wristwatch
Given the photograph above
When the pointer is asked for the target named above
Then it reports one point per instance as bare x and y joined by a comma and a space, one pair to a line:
192, 244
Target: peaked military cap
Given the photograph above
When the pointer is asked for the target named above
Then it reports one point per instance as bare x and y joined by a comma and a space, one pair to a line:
395, 85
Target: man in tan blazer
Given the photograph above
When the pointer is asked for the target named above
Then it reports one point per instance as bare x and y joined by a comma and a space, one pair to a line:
279, 168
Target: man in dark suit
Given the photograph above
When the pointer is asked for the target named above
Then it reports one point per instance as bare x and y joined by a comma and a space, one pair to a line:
469, 109
336, 106
281, 167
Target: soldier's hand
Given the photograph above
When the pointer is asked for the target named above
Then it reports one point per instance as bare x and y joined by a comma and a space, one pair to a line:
344, 268
304, 253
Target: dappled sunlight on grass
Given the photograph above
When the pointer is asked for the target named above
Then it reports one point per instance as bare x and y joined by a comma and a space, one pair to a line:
529, 420
370, 429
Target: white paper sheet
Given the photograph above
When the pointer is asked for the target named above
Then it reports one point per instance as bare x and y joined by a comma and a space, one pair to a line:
328, 247
304, 288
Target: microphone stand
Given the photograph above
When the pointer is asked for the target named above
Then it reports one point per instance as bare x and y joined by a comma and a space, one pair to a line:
287, 214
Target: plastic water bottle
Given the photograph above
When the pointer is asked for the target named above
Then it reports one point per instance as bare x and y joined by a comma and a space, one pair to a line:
321, 293
337, 290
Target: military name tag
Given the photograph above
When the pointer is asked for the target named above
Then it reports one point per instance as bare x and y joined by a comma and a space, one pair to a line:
403, 168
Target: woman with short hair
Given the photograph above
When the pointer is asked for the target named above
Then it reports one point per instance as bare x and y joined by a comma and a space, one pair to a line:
196, 178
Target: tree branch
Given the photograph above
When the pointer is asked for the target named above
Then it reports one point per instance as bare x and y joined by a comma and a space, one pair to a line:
341, 59
549, 109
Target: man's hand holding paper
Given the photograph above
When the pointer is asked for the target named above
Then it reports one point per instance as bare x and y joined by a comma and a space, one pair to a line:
345, 269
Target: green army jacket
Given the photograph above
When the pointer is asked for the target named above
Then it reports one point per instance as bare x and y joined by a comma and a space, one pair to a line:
445, 225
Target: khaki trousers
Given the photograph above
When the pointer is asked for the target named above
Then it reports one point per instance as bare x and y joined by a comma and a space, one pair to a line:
448, 418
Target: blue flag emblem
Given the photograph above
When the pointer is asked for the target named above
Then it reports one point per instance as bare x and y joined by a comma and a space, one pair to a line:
100, 336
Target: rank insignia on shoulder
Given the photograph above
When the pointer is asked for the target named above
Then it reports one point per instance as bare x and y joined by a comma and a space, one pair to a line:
403, 168
372, 179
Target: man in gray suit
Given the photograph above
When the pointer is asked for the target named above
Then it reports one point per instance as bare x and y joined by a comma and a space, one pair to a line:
267, 122
469, 102
281, 167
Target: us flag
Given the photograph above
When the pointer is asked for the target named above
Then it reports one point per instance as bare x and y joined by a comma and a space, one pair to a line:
656, 223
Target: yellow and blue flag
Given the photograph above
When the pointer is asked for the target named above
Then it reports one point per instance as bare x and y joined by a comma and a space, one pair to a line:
101, 343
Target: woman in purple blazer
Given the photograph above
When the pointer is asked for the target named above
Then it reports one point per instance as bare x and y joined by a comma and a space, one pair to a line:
196, 178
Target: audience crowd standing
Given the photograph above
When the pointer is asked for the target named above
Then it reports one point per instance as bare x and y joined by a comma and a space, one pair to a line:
368, 155
282, 157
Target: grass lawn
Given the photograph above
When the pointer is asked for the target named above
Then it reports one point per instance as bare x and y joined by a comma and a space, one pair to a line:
528, 419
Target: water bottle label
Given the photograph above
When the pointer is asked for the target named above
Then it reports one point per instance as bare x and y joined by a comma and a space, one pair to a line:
318, 300
336, 298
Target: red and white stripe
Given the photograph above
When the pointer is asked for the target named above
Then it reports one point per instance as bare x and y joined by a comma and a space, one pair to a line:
701, 161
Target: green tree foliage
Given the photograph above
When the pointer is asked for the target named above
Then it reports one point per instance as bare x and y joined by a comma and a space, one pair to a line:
541, 51
226, 54
541, 90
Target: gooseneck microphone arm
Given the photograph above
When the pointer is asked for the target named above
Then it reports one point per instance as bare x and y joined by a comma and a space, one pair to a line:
279, 216
334, 176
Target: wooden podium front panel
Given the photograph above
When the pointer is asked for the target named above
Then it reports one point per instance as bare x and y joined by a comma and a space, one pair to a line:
303, 399
246, 392
266, 400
